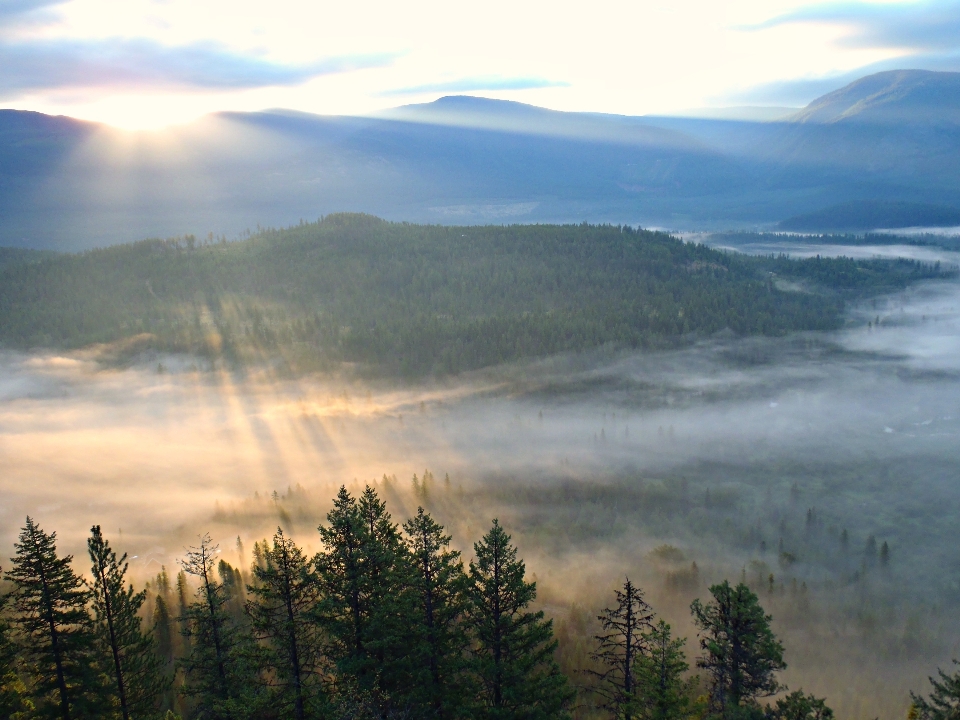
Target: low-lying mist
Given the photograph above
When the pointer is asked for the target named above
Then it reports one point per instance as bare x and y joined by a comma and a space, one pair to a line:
774, 460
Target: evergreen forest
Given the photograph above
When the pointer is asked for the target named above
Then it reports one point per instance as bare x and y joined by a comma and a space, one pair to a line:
385, 621
397, 299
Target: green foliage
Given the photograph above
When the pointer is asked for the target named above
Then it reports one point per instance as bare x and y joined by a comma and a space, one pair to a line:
741, 653
798, 706
848, 277
943, 702
283, 596
135, 668
513, 653
411, 300
13, 691
440, 641
663, 691
621, 647
221, 669
55, 631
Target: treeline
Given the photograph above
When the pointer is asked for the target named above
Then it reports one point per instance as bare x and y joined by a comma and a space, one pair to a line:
385, 621
409, 300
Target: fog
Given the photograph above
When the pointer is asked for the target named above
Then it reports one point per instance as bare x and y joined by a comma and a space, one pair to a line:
732, 450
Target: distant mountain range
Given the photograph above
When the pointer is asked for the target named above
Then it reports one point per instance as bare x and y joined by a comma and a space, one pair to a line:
891, 137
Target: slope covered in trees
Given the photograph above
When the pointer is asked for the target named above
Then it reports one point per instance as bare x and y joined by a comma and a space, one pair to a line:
412, 300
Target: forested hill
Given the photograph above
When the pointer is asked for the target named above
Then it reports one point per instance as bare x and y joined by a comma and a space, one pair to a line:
410, 300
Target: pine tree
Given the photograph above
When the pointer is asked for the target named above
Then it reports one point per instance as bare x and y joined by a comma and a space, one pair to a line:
284, 594
944, 700
135, 668
798, 706
438, 585
663, 692
513, 649
361, 570
221, 673
741, 653
56, 632
620, 648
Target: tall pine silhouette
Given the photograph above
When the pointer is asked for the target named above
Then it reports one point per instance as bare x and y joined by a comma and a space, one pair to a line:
134, 666
440, 642
57, 636
513, 654
284, 593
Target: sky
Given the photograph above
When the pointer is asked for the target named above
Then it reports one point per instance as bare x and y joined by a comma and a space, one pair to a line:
143, 64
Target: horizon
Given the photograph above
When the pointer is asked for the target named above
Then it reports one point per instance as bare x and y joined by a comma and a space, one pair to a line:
145, 65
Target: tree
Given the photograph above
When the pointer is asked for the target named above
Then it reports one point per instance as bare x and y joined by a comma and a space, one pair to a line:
798, 706
513, 649
438, 585
663, 692
13, 691
283, 597
220, 669
361, 570
620, 647
741, 653
135, 670
55, 629
944, 700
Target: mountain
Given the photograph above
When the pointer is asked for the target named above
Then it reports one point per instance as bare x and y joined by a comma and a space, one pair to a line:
872, 214
895, 97
70, 185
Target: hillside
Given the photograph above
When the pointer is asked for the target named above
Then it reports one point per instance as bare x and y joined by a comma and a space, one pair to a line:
905, 97
871, 215
409, 300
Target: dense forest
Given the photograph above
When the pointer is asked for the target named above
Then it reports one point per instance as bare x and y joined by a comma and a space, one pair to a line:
413, 300
385, 621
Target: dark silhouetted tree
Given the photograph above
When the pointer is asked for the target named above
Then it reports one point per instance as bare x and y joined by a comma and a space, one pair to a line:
741, 653
798, 706
282, 598
513, 653
134, 666
55, 629
438, 583
221, 670
943, 702
620, 648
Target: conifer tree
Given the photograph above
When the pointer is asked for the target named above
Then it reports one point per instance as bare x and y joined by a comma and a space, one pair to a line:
221, 673
13, 691
799, 706
284, 594
663, 692
135, 668
438, 583
55, 629
361, 570
943, 702
620, 648
741, 653
513, 648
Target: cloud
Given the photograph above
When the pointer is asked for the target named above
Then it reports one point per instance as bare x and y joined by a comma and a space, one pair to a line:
144, 64
478, 83
928, 26
14, 8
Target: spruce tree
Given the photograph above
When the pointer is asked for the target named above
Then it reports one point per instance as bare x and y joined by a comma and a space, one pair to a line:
621, 646
221, 669
361, 570
283, 597
741, 653
55, 629
944, 700
663, 692
439, 584
513, 648
135, 668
